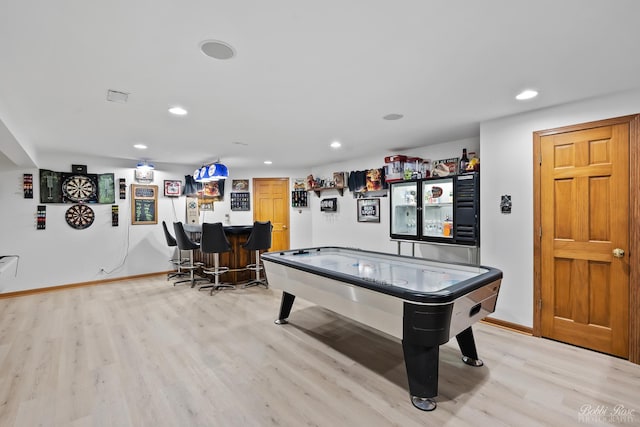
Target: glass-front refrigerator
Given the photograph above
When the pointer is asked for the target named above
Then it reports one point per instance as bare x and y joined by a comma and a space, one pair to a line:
442, 210
405, 222
437, 208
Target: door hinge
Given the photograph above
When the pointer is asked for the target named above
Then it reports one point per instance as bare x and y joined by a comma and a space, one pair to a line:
540, 233
540, 158
540, 304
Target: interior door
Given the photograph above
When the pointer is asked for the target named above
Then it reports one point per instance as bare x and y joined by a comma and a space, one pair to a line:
271, 203
584, 256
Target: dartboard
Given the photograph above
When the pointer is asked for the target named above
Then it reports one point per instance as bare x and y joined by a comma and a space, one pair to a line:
79, 188
80, 216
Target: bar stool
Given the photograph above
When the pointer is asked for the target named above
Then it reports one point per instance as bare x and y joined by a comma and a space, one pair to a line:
214, 241
177, 262
186, 244
259, 239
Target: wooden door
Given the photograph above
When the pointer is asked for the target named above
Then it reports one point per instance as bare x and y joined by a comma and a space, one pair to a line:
584, 238
271, 203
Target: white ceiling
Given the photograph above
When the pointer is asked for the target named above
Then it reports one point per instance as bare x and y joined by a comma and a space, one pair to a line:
305, 73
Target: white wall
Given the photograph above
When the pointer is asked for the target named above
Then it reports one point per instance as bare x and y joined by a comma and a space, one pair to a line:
507, 168
61, 255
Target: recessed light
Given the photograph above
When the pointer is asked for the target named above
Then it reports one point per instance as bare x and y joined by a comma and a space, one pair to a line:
526, 94
336, 144
268, 162
140, 146
393, 116
178, 111
217, 49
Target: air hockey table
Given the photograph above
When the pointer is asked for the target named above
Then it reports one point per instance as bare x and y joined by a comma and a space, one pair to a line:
422, 302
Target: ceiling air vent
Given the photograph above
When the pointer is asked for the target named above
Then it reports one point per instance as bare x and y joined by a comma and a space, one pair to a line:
117, 96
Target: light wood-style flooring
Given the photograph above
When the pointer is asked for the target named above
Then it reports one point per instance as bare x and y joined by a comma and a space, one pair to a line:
145, 353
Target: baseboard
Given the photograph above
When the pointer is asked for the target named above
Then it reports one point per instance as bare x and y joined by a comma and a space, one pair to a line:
508, 325
77, 285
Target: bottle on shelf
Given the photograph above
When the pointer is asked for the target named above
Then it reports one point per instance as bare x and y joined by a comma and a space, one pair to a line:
464, 161
447, 226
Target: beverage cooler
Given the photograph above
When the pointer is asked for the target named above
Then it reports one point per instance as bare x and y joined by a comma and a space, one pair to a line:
443, 210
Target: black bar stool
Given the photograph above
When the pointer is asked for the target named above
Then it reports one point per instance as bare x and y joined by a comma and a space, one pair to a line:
259, 239
177, 262
214, 241
186, 244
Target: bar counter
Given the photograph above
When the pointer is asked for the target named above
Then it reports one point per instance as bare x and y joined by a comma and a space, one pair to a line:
237, 259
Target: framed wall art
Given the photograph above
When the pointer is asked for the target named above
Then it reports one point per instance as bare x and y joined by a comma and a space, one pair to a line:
240, 201
239, 185
329, 205
172, 188
144, 204
368, 210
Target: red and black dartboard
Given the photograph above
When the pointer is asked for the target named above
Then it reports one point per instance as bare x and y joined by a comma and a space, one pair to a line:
79, 188
80, 216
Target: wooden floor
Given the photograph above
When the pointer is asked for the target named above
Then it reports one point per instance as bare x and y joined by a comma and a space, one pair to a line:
146, 353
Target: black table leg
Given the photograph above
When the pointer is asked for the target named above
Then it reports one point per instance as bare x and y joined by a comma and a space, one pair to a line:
422, 371
285, 308
468, 348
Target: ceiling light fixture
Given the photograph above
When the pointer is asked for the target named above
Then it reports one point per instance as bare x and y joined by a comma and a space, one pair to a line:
140, 146
335, 144
212, 172
145, 165
178, 111
526, 94
268, 162
393, 116
217, 49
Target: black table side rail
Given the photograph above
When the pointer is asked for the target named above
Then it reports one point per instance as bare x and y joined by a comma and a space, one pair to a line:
444, 296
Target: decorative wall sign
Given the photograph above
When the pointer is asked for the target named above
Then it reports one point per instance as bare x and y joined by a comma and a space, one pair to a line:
368, 210
41, 217
240, 201
445, 167
27, 185
239, 185
192, 210
329, 205
299, 199
115, 217
123, 188
143, 174
80, 216
79, 169
205, 204
505, 204
172, 188
144, 204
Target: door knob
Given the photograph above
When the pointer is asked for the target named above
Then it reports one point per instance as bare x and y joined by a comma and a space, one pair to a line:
284, 227
618, 253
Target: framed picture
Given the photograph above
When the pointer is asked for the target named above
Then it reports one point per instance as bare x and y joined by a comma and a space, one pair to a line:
240, 201
368, 210
329, 205
299, 184
172, 188
144, 204
239, 185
